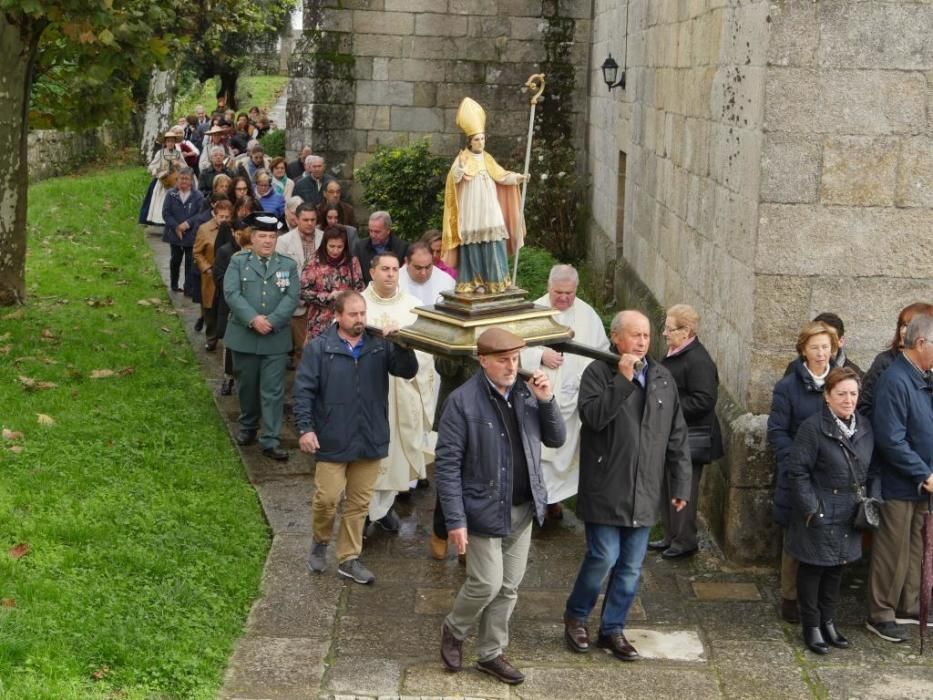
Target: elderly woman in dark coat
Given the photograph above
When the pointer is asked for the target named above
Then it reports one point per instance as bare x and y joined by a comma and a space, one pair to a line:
182, 211
884, 359
697, 382
797, 397
827, 469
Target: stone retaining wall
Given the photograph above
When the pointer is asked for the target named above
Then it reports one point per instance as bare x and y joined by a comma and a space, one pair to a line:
54, 153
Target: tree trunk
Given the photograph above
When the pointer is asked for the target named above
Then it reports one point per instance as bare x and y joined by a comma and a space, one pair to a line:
160, 104
19, 39
228, 80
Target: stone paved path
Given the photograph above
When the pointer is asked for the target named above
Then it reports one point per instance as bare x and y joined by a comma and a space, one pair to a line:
277, 111
705, 630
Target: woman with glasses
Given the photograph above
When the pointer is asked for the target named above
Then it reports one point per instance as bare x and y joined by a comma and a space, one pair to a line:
269, 199
240, 187
884, 359
697, 382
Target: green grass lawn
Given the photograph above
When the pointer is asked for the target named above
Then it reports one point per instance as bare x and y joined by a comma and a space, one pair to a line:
145, 541
252, 90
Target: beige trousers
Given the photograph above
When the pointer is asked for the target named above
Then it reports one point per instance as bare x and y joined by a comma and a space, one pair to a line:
330, 480
896, 559
495, 567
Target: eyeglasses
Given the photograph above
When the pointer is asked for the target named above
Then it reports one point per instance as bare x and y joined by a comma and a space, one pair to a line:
668, 329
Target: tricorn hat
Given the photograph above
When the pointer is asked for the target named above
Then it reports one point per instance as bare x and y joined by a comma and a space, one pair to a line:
471, 117
263, 221
495, 340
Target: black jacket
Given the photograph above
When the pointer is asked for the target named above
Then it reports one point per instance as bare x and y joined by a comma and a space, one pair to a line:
627, 453
345, 401
866, 397
697, 381
796, 397
365, 252
473, 456
309, 190
822, 484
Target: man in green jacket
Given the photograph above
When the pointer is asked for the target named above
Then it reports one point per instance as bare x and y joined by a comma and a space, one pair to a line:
261, 289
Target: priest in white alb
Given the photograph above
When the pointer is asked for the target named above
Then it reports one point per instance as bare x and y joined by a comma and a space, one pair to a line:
561, 466
411, 401
421, 278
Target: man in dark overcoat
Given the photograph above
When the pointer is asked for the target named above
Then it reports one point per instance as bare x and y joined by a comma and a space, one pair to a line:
633, 438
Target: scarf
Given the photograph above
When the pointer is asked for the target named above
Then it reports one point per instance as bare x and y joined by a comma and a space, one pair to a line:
847, 429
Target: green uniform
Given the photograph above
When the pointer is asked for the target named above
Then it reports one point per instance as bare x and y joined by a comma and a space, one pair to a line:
253, 289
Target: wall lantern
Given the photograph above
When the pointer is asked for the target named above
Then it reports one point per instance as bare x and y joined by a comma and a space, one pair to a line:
610, 71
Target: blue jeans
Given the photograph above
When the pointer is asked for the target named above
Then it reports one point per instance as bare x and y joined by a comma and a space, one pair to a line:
617, 552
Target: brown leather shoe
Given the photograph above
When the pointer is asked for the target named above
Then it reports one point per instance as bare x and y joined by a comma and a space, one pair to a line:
451, 649
438, 547
501, 669
618, 645
576, 635
789, 611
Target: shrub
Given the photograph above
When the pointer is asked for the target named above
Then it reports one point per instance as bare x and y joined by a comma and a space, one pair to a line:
534, 266
273, 143
405, 181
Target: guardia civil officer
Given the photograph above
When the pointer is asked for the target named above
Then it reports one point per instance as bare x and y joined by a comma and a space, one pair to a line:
261, 289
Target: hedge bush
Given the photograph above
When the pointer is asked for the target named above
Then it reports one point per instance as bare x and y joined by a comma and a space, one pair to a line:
534, 266
273, 143
407, 182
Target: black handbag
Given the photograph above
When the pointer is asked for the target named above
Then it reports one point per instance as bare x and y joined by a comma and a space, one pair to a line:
868, 511
700, 442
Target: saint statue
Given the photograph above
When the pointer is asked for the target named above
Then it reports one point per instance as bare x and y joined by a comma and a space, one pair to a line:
482, 211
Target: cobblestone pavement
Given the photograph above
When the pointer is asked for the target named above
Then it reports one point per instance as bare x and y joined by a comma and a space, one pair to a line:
705, 630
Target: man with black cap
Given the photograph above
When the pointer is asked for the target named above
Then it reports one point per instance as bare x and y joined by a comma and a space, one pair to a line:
261, 289
488, 470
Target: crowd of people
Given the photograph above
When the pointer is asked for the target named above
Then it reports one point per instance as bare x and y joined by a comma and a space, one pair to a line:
271, 252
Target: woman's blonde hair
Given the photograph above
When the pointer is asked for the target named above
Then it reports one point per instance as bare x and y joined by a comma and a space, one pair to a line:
817, 328
686, 317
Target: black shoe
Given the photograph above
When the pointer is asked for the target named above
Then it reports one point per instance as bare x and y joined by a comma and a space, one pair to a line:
888, 631
176, 289
199, 325
658, 545
276, 453
671, 553
226, 388
245, 437
831, 635
210, 345
389, 522
813, 638
423, 484
404, 496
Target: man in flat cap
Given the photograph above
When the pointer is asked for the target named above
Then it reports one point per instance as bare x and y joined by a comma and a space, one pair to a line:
261, 289
488, 470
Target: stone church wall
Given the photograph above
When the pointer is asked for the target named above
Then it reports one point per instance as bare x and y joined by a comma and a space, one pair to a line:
371, 72
777, 164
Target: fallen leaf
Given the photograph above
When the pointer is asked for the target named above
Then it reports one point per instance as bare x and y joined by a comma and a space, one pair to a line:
100, 673
18, 551
124, 346
8, 602
47, 333
5, 336
30, 384
143, 302
11, 434
46, 360
14, 315
165, 330
45, 419
16, 449
126, 371
102, 373
155, 301
5, 349
162, 352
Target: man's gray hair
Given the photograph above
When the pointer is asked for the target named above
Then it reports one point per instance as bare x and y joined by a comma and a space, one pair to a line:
186, 171
312, 159
293, 203
384, 216
920, 326
251, 144
563, 273
620, 319
218, 149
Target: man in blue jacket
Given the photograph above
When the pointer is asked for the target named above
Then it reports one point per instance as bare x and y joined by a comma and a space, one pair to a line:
488, 469
902, 419
340, 406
